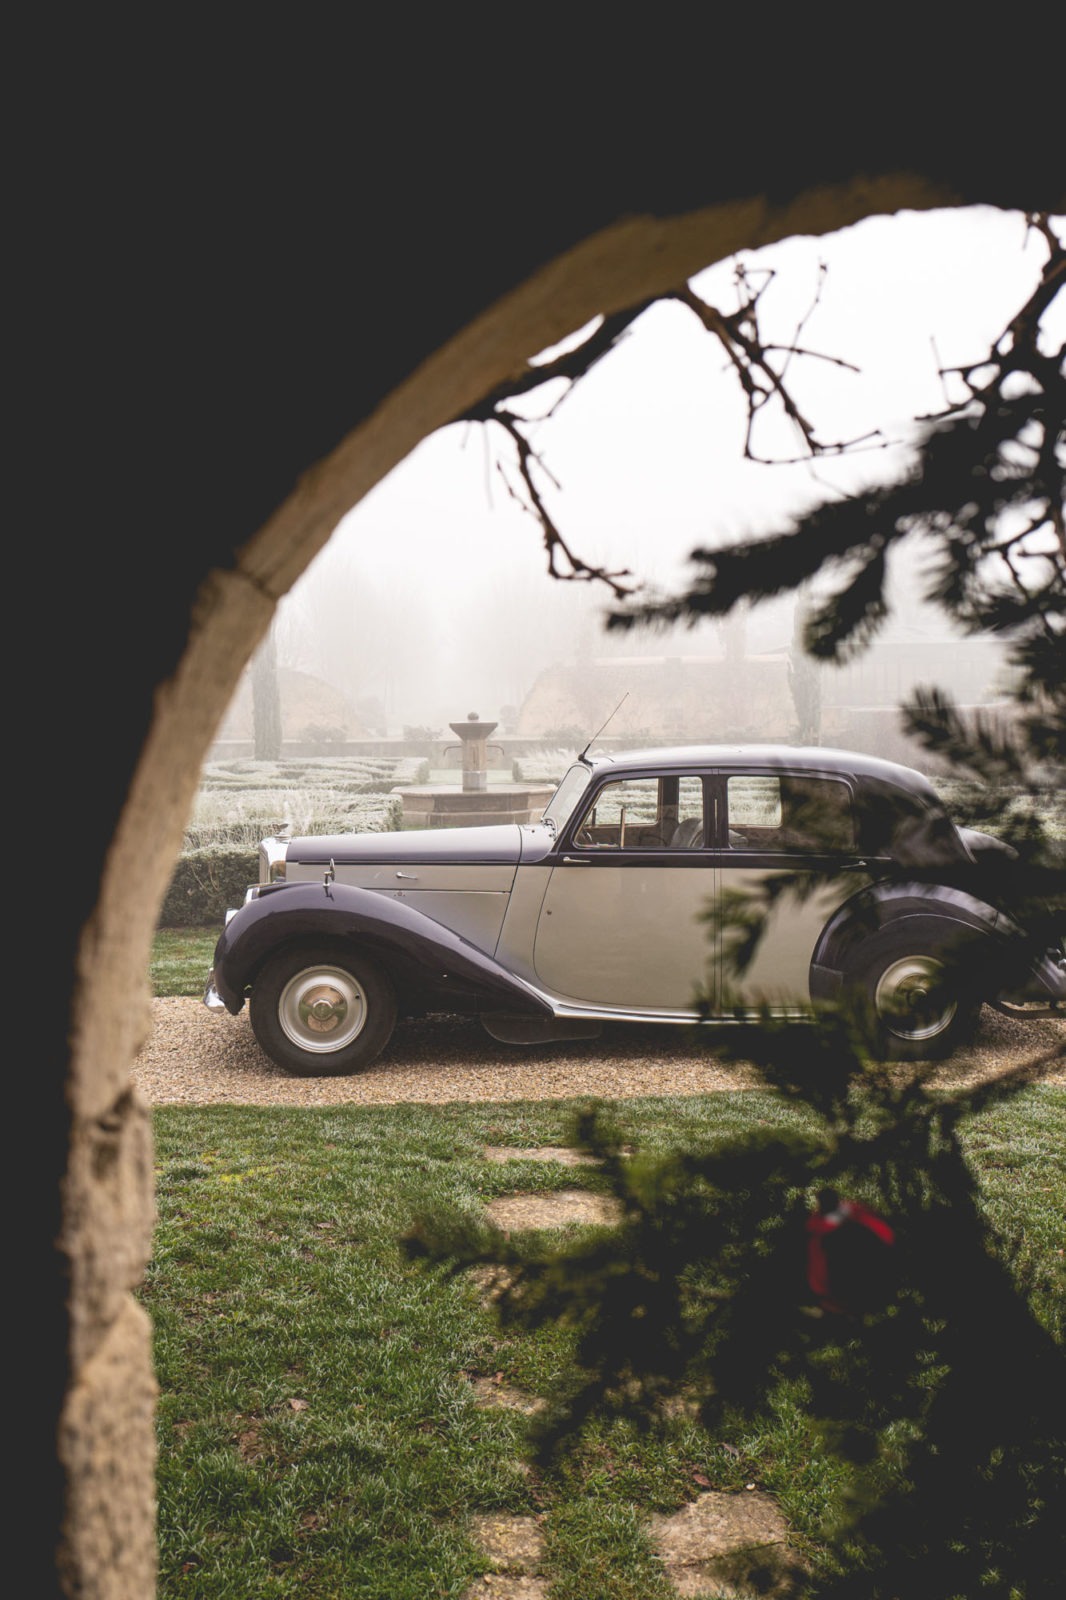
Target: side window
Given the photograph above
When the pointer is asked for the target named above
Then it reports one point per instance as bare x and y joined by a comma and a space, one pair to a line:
790, 813
818, 815
645, 814
623, 816
754, 812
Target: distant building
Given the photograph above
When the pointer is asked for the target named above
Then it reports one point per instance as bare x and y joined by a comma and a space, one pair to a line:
712, 699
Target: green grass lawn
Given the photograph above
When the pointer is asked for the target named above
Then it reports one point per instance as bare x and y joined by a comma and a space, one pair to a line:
318, 1430
181, 959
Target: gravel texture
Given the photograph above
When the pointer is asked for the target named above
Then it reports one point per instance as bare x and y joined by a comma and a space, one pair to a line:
196, 1057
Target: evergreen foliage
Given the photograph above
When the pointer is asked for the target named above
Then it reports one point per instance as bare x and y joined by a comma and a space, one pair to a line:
940, 1388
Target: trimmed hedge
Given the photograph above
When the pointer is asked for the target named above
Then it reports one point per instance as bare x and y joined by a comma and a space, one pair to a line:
241, 802
206, 883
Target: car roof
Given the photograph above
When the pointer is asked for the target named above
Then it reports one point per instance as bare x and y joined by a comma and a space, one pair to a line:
727, 757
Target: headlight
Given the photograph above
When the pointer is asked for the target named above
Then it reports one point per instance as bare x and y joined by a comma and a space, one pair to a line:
272, 860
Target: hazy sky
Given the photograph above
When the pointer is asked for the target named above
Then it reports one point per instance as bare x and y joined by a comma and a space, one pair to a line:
648, 449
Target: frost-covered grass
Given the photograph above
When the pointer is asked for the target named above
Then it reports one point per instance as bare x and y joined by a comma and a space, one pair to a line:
411, 770
543, 766
968, 804
361, 774
241, 802
220, 819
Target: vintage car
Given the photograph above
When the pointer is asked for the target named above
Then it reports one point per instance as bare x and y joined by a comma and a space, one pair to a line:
617, 904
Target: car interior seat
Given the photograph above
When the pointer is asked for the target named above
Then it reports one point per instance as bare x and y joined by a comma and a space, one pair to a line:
688, 834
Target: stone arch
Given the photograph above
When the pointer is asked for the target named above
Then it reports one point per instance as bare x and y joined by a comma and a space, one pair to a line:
590, 256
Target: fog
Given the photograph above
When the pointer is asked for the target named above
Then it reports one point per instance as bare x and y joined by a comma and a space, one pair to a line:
432, 600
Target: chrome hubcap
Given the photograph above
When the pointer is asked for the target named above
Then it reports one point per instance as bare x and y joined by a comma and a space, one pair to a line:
322, 1009
911, 1001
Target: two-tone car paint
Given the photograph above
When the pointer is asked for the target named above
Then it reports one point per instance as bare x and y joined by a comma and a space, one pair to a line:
600, 911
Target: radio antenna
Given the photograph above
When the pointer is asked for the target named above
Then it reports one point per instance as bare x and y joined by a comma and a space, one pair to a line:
611, 718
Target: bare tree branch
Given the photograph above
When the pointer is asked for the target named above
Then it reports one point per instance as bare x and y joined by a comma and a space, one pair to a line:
760, 367
571, 365
556, 546
752, 360
988, 486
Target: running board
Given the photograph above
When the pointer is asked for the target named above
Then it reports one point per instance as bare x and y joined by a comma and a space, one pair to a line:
588, 1024
538, 1030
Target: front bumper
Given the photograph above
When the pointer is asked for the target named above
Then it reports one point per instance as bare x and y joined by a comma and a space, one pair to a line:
212, 999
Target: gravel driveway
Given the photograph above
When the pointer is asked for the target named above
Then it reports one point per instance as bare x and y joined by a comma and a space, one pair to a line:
195, 1057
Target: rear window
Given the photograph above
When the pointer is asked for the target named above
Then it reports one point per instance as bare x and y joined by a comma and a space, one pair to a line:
786, 812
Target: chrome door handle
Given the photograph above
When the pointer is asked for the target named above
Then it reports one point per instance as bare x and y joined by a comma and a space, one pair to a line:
409, 877
575, 861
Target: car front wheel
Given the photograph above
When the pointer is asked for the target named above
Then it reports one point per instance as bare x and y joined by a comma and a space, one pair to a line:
321, 1011
920, 1005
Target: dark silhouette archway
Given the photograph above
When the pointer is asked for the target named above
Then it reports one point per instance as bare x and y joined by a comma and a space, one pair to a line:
245, 323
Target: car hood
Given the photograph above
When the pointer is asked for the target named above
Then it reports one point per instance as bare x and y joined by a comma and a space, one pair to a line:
508, 843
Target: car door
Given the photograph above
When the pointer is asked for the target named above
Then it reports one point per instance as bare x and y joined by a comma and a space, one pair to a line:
621, 923
793, 827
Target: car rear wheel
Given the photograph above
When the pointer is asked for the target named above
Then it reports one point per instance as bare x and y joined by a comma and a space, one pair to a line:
920, 1005
321, 1011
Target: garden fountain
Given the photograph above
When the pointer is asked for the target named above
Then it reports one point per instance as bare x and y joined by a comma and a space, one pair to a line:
477, 803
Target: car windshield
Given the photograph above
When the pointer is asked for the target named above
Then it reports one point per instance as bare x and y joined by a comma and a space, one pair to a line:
566, 797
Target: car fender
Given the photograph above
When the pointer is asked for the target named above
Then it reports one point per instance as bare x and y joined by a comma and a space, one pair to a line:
418, 954
931, 914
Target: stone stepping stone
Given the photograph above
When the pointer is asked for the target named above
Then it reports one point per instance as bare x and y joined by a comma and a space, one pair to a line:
512, 1544
502, 1586
491, 1280
490, 1395
566, 1207
547, 1152
733, 1545
684, 1407
515, 1546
